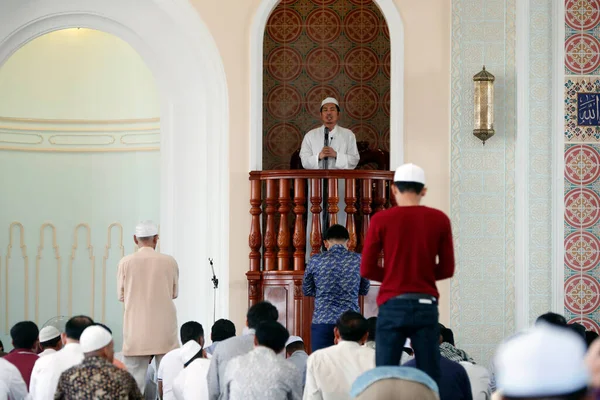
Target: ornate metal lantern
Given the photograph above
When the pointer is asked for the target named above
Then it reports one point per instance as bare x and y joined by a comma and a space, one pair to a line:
484, 105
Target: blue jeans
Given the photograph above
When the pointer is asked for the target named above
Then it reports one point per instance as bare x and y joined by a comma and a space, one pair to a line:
321, 336
400, 319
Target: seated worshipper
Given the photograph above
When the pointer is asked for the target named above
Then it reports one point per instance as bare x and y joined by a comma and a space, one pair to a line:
592, 361
296, 354
261, 374
12, 385
2, 353
171, 364
331, 371
447, 348
394, 383
546, 362
191, 383
25, 342
96, 377
590, 336
480, 380
329, 146
372, 332
262, 311
454, 383
50, 340
47, 370
221, 330
333, 279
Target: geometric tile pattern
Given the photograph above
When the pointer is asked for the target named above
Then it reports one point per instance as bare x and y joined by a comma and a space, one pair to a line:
318, 48
582, 233
573, 131
582, 44
482, 206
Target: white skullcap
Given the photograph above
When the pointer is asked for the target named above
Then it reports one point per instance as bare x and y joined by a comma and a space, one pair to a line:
48, 333
189, 350
408, 344
330, 100
409, 173
545, 361
94, 338
146, 229
293, 339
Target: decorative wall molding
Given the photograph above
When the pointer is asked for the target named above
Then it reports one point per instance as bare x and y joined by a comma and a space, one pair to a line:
90, 249
107, 249
37, 270
79, 135
7, 275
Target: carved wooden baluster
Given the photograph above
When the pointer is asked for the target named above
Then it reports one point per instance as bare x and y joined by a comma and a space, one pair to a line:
365, 202
271, 201
350, 211
380, 198
332, 201
315, 209
255, 237
283, 236
299, 226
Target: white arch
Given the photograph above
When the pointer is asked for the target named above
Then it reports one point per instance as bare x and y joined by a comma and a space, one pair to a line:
396, 28
179, 50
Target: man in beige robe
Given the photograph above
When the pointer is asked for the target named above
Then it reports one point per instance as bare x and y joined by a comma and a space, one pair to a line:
147, 284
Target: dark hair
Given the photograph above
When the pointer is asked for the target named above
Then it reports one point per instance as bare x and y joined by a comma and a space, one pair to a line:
336, 106
409, 187
24, 334
372, 328
262, 311
578, 329
1, 345
48, 344
76, 325
336, 232
222, 329
294, 346
590, 336
191, 330
447, 335
352, 326
104, 326
578, 395
552, 318
272, 334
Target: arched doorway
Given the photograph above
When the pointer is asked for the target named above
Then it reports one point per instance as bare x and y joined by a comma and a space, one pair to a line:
191, 82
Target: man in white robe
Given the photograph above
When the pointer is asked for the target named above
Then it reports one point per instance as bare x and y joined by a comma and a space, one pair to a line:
329, 147
191, 383
50, 340
47, 370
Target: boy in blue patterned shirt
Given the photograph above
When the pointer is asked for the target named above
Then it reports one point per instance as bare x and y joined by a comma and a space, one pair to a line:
333, 279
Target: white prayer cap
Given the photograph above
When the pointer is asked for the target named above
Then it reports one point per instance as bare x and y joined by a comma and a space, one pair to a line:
189, 350
146, 229
293, 339
407, 344
409, 173
48, 333
330, 100
94, 338
545, 361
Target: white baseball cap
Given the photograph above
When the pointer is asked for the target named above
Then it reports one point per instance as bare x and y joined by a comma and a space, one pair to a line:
94, 338
409, 173
48, 333
330, 100
146, 229
544, 361
293, 339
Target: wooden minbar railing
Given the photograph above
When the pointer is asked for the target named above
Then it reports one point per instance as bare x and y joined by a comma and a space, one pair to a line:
287, 210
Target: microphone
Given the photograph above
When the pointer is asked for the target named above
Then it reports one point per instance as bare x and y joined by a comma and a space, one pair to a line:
214, 279
325, 160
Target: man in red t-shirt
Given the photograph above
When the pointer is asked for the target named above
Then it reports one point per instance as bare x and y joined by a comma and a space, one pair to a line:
25, 341
417, 251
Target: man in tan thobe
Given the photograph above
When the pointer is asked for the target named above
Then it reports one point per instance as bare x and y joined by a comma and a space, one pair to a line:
147, 285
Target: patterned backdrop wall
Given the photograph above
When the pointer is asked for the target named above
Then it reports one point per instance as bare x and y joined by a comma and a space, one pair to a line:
582, 164
319, 48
